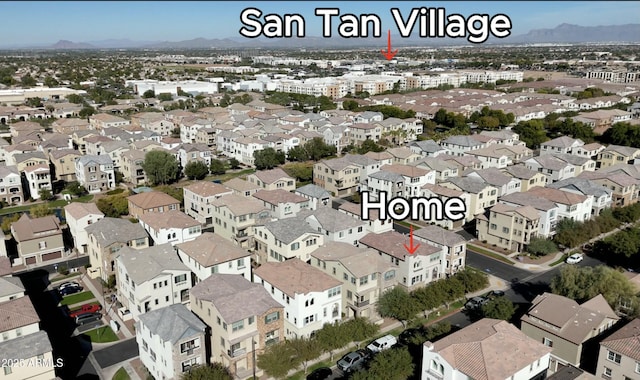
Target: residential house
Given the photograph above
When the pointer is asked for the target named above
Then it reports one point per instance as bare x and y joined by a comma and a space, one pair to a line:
374, 224
107, 237
403, 155
243, 148
412, 270
443, 169
553, 167
78, 216
241, 187
282, 203
114, 149
562, 144
310, 297
427, 148
481, 194
171, 340
69, 125
493, 342
102, 121
588, 150
570, 205
38, 239
173, 227
547, 210
459, 145
25, 349
453, 245
625, 188
131, 167
243, 318
10, 185
382, 158
503, 136
194, 153
616, 154
444, 194
64, 164
619, 356
496, 178
284, 239
93, 144
151, 278
234, 217
210, 254
25, 160
38, 179
602, 198
317, 196
364, 274
463, 162
151, 201
198, 199
581, 163
565, 326
528, 178
190, 126
207, 136
336, 135
273, 179
335, 225
500, 156
95, 173
508, 227
342, 176
360, 132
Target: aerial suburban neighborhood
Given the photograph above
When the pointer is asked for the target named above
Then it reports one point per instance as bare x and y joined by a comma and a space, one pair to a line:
214, 210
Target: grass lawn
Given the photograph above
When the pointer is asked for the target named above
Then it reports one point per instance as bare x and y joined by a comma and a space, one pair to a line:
102, 334
230, 175
559, 261
77, 298
494, 255
121, 374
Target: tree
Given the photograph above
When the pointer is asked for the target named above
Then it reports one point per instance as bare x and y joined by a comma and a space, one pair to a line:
234, 164
217, 167
75, 99
40, 210
584, 283
488, 122
396, 303
359, 329
165, 97
268, 158
300, 171
34, 102
196, 170
393, 364
45, 194
298, 153
369, 146
306, 350
472, 280
427, 298
623, 134
498, 308
28, 81
86, 111
149, 94
540, 246
74, 188
113, 206
317, 149
331, 336
532, 132
7, 221
161, 167
213, 371
278, 359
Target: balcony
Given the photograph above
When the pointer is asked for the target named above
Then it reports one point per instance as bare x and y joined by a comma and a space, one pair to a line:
360, 303
236, 353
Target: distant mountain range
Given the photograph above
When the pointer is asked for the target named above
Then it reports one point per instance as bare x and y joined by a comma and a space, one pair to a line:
564, 33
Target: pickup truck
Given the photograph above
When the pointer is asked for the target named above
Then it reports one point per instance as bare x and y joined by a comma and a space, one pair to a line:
353, 361
84, 309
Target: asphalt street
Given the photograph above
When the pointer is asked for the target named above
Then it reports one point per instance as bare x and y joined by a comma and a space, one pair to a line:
495, 267
117, 353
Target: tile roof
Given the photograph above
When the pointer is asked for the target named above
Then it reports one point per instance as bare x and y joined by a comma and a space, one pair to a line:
359, 261
145, 264
313, 191
492, 176
173, 323
79, 210
234, 296
26, 228
526, 199
295, 277
557, 196
101, 159
563, 142
356, 209
489, 349
152, 199
392, 243
625, 341
168, 219
465, 141
468, 184
278, 196
441, 190
16, 313
439, 235
520, 172
207, 189
240, 205
582, 185
210, 249
271, 176
10, 285
115, 230
405, 170
240, 185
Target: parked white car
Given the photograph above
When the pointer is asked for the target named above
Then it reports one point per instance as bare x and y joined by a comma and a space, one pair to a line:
575, 258
382, 343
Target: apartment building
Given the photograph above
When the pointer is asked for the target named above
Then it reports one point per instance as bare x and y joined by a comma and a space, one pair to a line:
198, 198
78, 216
173, 227
95, 173
453, 245
284, 239
273, 179
508, 227
619, 356
38, 239
151, 202
64, 164
234, 217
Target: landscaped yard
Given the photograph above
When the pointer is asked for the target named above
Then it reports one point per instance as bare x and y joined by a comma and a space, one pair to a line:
77, 298
102, 334
53, 204
121, 374
495, 255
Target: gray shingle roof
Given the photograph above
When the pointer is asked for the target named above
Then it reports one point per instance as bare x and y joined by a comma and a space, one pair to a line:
313, 191
582, 185
115, 230
331, 219
492, 176
10, 285
288, 230
234, 296
428, 146
26, 347
439, 235
387, 176
99, 159
466, 141
469, 184
144, 264
173, 323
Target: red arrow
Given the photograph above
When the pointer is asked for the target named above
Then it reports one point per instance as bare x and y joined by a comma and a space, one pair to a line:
411, 248
389, 54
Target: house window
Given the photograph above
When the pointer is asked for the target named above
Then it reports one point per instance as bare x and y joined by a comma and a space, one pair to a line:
272, 317
493, 226
179, 279
251, 320
7, 370
240, 263
637, 367
607, 372
614, 357
236, 326
389, 275
364, 280
42, 245
547, 342
333, 292
295, 246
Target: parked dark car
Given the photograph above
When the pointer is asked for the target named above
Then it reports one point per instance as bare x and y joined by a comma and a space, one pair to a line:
87, 318
475, 303
495, 294
68, 283
70, 290
407, 336
353, 361
321, 373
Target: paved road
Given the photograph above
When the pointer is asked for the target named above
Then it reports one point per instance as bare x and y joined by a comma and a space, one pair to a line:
495, 267
73, 262
117, 353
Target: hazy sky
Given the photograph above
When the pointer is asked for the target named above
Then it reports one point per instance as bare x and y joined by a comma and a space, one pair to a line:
80, 21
